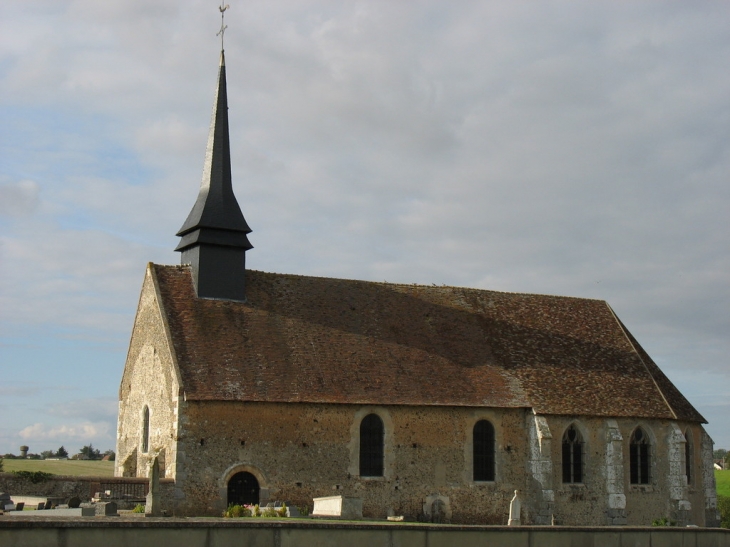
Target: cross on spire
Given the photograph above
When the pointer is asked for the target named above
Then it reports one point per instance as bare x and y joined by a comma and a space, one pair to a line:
222, 8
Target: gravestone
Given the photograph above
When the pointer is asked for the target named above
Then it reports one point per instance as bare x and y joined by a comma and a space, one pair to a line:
74, 502
515, 507
106, 509
338, 507
41, 506
152, 505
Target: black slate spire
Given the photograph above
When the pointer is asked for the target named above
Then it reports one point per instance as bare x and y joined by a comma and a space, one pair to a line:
214, 240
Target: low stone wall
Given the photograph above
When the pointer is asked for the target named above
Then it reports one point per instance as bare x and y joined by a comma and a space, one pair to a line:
63, 487
144, 532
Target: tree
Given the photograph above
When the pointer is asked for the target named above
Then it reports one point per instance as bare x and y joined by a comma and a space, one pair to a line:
47, 454
90, 452
719, 454
62, 452
111, 454
1, 465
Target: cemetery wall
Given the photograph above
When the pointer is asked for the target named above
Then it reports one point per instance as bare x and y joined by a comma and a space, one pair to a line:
61, 487
116, 532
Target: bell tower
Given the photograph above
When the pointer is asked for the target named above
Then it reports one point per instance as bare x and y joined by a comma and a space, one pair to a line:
214, 238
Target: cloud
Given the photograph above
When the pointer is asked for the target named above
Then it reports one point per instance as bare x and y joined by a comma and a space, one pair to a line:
85, 431
18, 199
98, 407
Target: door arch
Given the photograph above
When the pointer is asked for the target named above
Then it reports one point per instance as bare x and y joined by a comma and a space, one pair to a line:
243, 489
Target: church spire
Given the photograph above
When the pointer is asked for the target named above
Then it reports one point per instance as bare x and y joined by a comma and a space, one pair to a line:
213, 238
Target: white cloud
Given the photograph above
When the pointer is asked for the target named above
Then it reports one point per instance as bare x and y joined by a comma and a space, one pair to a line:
563, 147
85, 431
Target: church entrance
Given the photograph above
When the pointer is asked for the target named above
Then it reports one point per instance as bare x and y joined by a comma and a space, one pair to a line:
243, 489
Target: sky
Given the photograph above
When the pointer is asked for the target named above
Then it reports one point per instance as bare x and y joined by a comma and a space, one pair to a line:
556, 147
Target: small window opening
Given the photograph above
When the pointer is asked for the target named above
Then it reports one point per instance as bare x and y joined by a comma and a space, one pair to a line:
572, 456
688, 455
639, 457
146, 429
483, 451
372, 438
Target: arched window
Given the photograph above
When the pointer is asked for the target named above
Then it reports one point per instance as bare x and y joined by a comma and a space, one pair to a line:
572, 456
639, 457
483, 440
688, 455
372, 436
145, 429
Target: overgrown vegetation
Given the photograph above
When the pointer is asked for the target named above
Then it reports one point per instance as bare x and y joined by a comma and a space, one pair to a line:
1, 465
664, 521
139, 508
35, 477
723, 505
236, 511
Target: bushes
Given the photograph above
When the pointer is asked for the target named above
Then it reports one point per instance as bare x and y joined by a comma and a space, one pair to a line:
34, 477
723, 505
235, 511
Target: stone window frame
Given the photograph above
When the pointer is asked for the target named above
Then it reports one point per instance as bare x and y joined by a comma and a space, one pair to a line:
146, 419
689, 457
580, 430
493, 418
652, 448
388, 443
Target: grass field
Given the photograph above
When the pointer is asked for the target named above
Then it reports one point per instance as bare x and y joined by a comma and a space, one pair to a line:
61, 467
722, 478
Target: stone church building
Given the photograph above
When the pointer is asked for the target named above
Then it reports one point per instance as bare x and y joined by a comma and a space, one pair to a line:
435, 403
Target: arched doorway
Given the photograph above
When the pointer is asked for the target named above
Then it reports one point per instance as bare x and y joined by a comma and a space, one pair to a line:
243, 489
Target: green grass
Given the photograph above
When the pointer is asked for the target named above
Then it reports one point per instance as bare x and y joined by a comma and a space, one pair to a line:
722, 478
61, 467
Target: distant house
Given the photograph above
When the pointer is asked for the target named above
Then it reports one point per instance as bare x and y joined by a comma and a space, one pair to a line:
720, 464
436, 403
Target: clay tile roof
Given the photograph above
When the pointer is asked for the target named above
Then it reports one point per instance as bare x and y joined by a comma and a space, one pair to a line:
311, 339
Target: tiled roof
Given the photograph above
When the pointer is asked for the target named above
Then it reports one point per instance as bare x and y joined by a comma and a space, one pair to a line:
311, 339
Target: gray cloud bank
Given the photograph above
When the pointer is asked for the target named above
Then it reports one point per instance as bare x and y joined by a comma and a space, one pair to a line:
564, 147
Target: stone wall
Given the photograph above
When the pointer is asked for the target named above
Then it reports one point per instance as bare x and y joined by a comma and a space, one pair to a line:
121, 532
302, 451
62, 487
149, 380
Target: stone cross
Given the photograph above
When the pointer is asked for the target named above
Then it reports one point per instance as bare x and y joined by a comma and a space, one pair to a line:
222, 8
152, 505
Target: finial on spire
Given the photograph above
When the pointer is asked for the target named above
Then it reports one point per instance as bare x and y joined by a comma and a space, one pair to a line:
222, 8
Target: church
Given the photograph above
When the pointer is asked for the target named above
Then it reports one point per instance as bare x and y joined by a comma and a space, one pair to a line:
431, 402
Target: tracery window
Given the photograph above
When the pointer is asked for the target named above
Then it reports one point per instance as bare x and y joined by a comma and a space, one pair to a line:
572, 456
639, 457
483, 443
688, 455
372, 437
145, 428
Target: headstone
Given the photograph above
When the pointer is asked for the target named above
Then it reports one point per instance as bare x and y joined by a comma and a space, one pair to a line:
106, 509
41, 506
74, 502
292, 510
49, 504
515, 506
152, 505
20, 506
338, 507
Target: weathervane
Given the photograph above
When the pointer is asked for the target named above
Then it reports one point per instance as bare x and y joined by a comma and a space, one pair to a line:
222, 31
